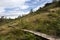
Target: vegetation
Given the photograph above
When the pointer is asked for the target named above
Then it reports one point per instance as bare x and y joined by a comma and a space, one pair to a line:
19, 35
5, 20
45, 20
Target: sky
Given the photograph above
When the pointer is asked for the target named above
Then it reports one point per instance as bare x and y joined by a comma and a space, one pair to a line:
15, 8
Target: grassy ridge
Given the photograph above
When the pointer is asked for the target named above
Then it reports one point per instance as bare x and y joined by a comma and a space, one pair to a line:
45, 20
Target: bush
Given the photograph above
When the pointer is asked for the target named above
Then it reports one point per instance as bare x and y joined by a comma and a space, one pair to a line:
53, 15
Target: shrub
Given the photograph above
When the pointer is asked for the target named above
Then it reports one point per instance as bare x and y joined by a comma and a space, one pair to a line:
53, 15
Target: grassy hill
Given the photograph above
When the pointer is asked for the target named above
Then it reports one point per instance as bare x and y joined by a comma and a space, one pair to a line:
45, 20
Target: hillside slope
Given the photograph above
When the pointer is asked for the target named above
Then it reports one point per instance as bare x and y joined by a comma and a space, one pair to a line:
45, 20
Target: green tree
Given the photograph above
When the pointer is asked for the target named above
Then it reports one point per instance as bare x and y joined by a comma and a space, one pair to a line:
31, 11
2, 17
56, 0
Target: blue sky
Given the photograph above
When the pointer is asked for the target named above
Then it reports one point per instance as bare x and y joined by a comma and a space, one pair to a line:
14, 8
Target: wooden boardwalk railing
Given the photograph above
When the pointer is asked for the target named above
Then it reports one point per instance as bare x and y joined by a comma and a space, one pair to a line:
41, 35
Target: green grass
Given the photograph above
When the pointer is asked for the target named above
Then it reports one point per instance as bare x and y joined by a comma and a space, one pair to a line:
42, 20
19, 35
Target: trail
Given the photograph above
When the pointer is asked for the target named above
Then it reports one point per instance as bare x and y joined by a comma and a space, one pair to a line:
42, 35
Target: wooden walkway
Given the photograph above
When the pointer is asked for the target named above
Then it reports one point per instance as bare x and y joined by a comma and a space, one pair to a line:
41, 35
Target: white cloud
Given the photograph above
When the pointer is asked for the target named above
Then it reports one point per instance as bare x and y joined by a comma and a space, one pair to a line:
12, 17
37, 7
16, 7
1, 10
24, 7
13, 14
12, 4
38, 0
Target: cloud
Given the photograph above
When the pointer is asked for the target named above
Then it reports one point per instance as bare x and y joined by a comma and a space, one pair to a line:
42, 4
37, 7
14, 8
1, 9
13, 14
38, 0
13, 3
24, 7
